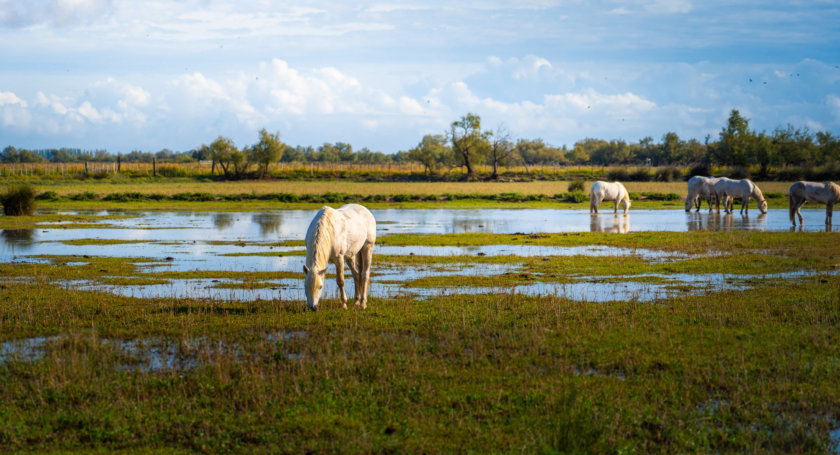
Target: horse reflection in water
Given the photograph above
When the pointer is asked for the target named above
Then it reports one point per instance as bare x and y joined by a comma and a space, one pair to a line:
616, 224
715, 221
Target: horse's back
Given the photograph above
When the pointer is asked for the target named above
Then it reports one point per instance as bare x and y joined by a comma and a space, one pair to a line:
360, 222
608, 191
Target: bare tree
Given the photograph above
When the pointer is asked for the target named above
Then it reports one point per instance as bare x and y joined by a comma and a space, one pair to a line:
501, 150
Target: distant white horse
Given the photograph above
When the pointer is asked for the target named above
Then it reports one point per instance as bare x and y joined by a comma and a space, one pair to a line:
727, 189
700, 187
827, 193
338, 236
606, 191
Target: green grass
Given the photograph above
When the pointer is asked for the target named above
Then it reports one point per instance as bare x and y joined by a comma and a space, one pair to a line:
742, 372
732, 372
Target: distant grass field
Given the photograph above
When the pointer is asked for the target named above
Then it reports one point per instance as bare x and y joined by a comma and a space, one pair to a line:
170, 186
166, 194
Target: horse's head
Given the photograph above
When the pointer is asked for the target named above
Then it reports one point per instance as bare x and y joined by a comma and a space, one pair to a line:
313, 284
762, 206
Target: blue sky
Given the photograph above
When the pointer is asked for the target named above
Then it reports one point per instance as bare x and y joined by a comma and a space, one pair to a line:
126, 75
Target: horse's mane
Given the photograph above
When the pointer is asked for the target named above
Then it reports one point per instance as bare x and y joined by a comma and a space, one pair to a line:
757, 192
322, 238
835, 188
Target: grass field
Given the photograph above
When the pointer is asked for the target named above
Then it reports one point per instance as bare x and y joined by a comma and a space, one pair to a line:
189, 194
750, 370
742, 370
173, 186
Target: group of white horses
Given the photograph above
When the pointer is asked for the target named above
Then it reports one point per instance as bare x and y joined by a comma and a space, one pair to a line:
725, 189
347, 235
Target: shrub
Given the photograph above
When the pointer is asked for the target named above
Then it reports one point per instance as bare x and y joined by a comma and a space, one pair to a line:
124, 197
86, 196
639, 175
652, 196
667, 174
196, 197
100, 174
618, 175
18, 200
700, 169
509, 197
575, 197
47, 196
576, 186
790, 174
739, 173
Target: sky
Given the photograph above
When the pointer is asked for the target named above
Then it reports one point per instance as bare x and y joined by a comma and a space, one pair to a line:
129, 75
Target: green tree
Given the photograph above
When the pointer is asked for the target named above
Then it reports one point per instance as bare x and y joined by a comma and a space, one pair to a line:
533, 152
795, 146
469, 143
765, 153
829, 146
736, 141
267, 151
672, 148
223, 151
432, 152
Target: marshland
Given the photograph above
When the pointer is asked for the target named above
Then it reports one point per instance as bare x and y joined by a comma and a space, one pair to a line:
494, 323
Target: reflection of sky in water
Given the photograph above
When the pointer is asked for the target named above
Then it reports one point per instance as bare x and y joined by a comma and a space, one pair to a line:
187, 238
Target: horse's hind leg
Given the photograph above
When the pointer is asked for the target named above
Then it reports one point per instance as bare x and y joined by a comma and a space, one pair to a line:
366, 255
339, 279
798, 213
353, 263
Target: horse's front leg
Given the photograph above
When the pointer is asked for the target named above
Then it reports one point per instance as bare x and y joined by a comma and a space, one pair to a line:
617, 203
829, 209
745, 205
339, 279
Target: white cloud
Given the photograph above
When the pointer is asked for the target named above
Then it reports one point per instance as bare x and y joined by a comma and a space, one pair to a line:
11, 98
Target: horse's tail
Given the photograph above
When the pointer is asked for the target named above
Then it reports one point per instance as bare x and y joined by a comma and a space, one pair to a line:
835, 188
792, 208
793, 199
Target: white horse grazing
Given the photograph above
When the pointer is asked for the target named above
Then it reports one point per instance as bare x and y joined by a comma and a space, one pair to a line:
827, 193
727, 189
606, 191
700, 187
338, 236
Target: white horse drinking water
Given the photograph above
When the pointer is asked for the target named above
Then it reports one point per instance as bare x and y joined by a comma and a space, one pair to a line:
338, 236
827, 193
700, 187
606, 191
727, 189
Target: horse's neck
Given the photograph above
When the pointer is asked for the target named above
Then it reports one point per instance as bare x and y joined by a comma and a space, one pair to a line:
325, 236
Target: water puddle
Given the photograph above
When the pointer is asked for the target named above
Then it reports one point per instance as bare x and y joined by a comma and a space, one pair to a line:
154, 354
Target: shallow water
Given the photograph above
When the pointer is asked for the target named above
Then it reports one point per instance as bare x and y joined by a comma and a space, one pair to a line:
189, 241
151, 354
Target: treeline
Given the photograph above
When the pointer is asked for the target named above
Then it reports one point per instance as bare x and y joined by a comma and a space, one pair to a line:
466, 145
